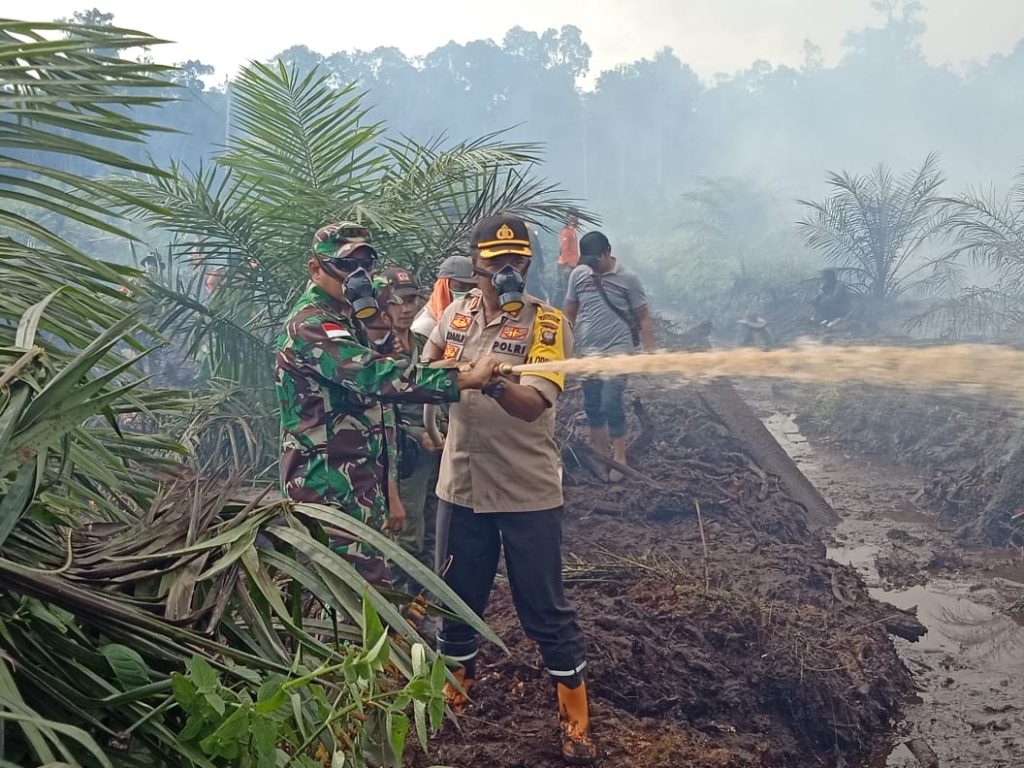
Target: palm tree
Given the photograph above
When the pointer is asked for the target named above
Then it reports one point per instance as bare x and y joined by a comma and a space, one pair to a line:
305, 153
147, 618
874, 228
59, 96
985, 230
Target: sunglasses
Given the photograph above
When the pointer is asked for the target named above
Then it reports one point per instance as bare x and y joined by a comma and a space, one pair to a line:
352, 264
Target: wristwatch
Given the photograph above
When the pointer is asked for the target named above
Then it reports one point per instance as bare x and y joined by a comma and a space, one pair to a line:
496, 389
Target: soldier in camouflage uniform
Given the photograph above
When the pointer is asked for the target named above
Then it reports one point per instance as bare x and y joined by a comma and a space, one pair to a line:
338, 439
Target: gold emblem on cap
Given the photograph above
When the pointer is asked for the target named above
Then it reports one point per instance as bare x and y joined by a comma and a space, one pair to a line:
505, 233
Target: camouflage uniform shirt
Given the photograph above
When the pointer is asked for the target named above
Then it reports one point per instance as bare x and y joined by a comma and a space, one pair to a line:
337, 434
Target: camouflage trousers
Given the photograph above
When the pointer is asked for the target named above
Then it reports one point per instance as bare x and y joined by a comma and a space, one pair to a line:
367, 559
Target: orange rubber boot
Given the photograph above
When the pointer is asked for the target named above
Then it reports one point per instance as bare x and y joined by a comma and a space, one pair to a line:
415, 612
574, 725
455, 698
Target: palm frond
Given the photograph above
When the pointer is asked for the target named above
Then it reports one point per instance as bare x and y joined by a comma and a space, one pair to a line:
309, 144
198, 575
59, 97
986, 230
877, 224
989, 231
447, 189
982, 312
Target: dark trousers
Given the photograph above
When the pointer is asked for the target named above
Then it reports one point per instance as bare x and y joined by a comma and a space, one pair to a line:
444, 517
603, 401
533, 559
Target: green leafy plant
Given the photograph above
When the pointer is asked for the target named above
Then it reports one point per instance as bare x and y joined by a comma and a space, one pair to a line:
123, 564
337, 714
304, 153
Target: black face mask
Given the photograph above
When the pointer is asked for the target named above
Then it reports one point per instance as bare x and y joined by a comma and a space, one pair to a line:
509, 283
361, 295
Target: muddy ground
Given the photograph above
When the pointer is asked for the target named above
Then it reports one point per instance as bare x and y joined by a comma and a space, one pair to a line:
967, 450
887, 460
719, 638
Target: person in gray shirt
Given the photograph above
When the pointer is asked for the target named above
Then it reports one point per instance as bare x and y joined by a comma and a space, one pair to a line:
608, 308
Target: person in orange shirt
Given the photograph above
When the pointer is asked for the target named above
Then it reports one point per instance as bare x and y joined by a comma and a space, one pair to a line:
455, 279
568, 252
213, 279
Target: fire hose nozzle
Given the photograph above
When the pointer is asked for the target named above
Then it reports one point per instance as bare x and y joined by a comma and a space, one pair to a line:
505, 369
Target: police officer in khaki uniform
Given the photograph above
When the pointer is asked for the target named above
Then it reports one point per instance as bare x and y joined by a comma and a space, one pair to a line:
500, 471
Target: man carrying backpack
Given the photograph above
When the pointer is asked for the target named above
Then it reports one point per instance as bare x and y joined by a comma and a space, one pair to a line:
608, 308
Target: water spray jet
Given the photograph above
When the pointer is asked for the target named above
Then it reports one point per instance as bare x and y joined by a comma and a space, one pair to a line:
982, 367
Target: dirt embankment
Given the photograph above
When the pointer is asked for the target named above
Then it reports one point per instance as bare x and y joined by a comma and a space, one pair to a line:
723, 638
970, 449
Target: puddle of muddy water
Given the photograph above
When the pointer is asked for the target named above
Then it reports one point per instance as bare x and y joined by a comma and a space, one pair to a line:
958, 625
969, 665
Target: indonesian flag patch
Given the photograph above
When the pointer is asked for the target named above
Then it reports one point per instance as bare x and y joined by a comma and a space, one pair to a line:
335, 331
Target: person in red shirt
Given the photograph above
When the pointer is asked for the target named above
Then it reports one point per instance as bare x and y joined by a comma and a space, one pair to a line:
568, 252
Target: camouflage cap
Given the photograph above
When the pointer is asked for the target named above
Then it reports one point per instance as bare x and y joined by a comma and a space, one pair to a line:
331, 237
396, 283
347, 250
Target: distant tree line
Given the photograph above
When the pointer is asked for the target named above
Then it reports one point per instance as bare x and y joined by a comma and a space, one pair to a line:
697, 181
651, 128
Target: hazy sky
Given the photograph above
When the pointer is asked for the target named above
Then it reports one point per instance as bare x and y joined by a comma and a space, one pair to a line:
711, 35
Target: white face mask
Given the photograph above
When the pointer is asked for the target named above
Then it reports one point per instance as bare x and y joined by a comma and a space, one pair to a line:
458, 294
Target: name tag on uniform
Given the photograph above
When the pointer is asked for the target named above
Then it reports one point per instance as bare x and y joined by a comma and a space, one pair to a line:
516, 348
512, 341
